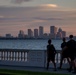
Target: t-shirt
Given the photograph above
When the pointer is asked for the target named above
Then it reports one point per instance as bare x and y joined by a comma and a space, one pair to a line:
51, 49
63, 45
71, 44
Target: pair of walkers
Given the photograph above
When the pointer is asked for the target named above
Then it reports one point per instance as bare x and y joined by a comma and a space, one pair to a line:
68, 51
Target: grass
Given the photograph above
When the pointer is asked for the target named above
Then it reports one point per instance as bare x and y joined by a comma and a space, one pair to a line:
19, 72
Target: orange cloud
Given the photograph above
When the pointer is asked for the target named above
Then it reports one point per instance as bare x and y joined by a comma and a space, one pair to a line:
50, 5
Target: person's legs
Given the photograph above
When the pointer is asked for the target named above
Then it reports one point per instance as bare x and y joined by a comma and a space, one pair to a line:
74, 64
47, 65
69, 60
74, 69
54, 65
71, 64
61, 61
48, 60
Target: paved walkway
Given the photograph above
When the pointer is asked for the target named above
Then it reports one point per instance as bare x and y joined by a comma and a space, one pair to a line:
35, 69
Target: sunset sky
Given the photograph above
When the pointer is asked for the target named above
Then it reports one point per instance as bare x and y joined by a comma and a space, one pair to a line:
18, 15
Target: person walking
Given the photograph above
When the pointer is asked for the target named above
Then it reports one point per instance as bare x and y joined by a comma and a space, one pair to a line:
51, 54
71, 45
64, 53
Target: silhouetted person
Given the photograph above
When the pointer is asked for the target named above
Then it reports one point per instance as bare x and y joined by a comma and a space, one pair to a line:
71, 45
63, 52
63, 43
51, 54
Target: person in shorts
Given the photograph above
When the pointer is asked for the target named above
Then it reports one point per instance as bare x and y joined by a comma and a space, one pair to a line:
64, 52
51, 54
71, 45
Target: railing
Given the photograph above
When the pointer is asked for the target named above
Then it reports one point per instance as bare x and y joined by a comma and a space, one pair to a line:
23, 57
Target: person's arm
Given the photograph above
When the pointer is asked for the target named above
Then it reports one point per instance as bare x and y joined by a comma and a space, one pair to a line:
54, 49
61, 46
65, 48
47, 49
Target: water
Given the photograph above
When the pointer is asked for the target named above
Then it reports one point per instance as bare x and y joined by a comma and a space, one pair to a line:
28, 44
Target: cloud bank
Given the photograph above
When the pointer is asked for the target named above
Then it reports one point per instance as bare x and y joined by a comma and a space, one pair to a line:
39, 18
16, 19
19, 1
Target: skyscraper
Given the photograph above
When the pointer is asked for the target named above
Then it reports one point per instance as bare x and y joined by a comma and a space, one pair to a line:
63, 33
36, 33
30, 33
21, 34
41, 31
53, 31
59, 30
59, 35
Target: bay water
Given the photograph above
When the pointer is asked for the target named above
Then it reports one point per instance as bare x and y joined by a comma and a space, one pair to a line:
38, 44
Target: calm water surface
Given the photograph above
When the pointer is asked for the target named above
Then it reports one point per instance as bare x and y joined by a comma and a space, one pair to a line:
28, 44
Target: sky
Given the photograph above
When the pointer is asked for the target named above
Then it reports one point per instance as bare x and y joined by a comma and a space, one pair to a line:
18, 15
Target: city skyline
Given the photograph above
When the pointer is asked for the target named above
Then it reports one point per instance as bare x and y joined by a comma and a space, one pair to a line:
18, 15
39, 33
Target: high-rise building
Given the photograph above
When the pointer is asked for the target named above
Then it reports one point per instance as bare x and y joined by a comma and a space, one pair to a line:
41, 31
63, 33
53, 31
30, 33
59, 30
35, 33
59, 35
21, 34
